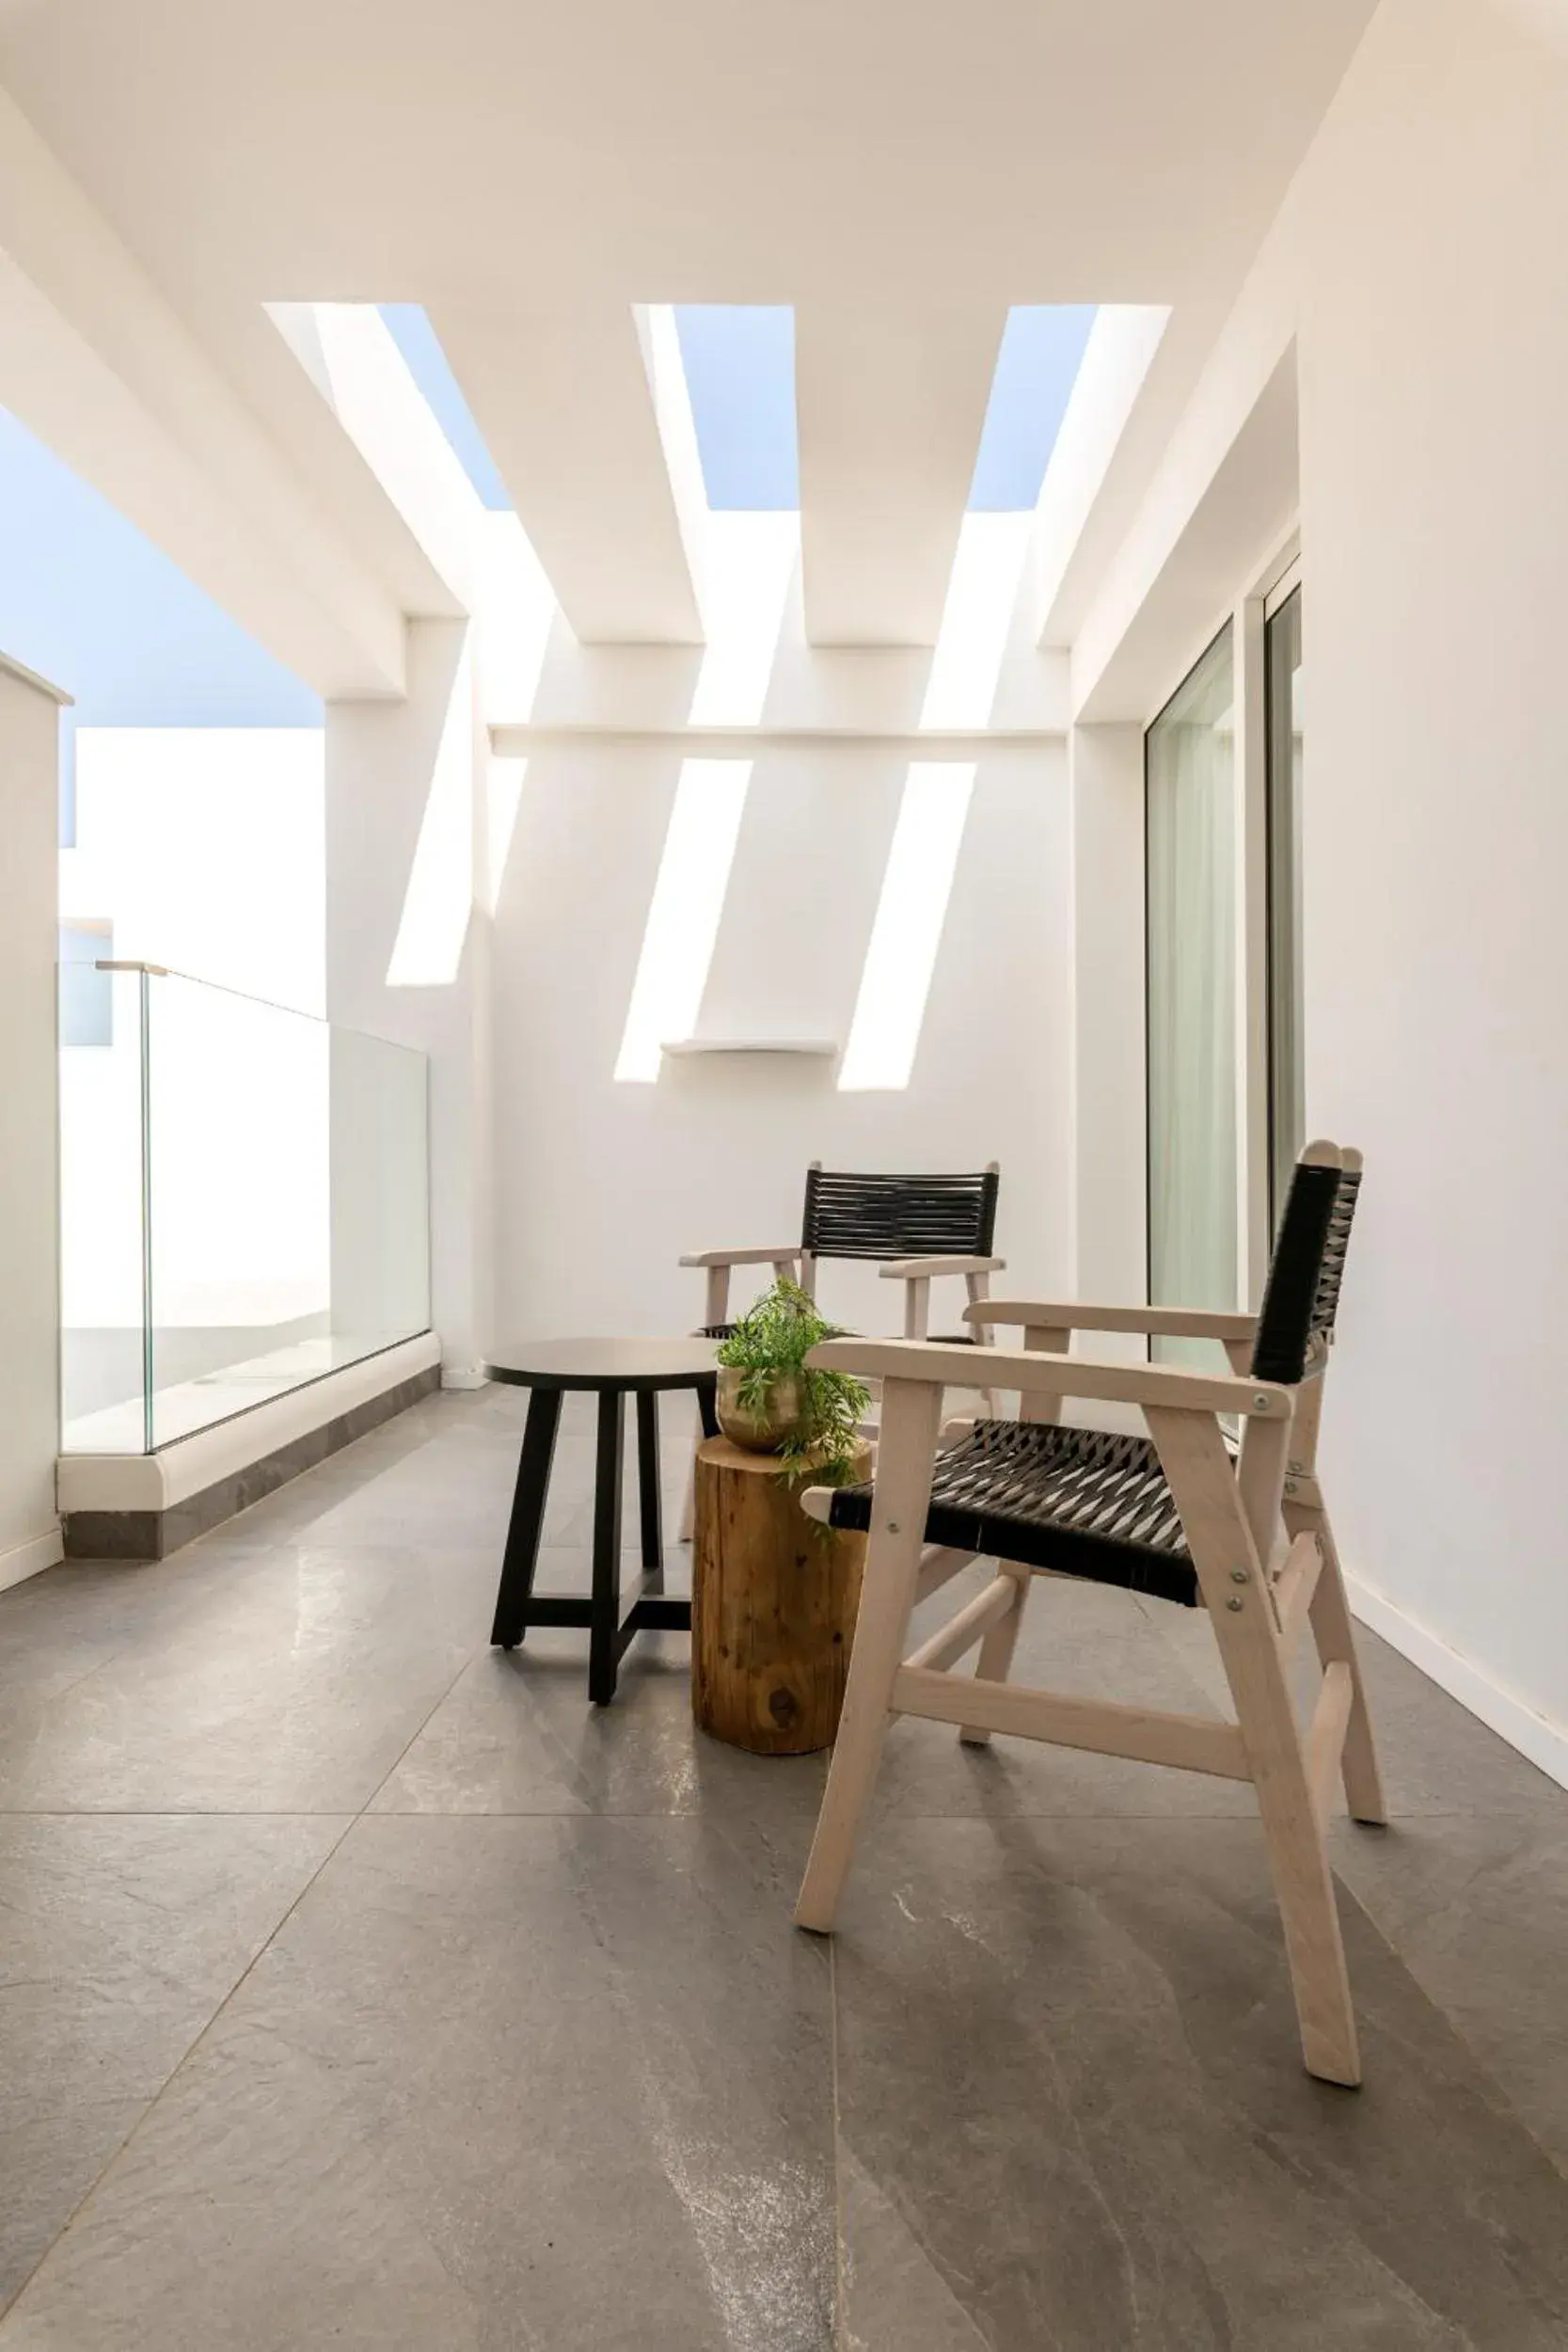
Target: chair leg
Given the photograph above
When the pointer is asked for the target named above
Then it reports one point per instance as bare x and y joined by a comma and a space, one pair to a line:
995, 1661
1231, 1577
1334, 1634
1294, 1835
911, 1415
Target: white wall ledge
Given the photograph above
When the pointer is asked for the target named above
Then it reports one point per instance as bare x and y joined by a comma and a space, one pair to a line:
156, 1481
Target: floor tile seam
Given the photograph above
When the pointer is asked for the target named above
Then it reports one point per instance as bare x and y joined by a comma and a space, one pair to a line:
101, 2176
178, 1812
110, 1657
12, 1812
418, 1731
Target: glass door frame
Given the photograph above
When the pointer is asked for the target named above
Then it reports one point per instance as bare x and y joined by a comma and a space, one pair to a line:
1272, 583
1274, 805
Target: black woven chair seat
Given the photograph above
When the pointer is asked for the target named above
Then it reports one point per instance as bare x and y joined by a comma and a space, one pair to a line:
1082, 1502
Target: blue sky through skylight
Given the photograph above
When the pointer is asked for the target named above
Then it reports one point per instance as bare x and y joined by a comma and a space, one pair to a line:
1042, 345
739, 363
417, 340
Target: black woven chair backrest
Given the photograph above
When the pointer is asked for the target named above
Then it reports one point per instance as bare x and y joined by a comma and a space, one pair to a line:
1301, 1295
898, 1216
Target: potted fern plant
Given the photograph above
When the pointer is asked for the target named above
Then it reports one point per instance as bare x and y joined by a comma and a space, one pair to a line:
770, 1401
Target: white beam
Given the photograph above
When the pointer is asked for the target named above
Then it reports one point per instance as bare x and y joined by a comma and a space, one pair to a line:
564, 399
1227, 492
96, 362
890, 405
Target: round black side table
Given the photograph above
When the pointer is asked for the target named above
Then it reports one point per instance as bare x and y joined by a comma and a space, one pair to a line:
613, 1370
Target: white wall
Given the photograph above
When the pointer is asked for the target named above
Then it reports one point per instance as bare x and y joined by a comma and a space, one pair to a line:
404, 842
29, 1262
600, 1185
1435, 483
1421, 265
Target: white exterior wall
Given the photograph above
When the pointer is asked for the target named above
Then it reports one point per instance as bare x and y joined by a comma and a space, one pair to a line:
29, 1254
1421, 265
601, 1186
1435, 492
202, 847
404, 793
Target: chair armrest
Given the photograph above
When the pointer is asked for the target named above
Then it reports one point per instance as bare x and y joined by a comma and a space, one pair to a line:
1034, 1372
743, 1257
1174, 1323
918, 1269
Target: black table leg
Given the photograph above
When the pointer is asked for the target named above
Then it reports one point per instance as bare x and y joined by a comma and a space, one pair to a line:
648, 1490
707, 1406
604, 1634
528, 1517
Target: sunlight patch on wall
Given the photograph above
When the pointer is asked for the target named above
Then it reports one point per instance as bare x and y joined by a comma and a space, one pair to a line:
977, 619
348, 351
503, 794
515, 614
911, 913
434, 925
751, 563
661, 358
683, 917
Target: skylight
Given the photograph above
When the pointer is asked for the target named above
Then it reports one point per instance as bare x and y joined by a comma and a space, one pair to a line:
417, 340
739, 363
1042, 345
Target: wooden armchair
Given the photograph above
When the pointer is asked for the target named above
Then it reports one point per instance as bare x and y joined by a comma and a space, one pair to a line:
922, 1228
1184, 1515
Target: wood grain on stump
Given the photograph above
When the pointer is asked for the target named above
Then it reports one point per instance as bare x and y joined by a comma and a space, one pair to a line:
773, 1603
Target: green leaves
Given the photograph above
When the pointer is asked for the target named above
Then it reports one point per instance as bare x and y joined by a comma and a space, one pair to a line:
775, 1336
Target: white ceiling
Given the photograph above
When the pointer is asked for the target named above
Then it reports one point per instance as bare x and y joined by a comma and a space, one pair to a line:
900, 170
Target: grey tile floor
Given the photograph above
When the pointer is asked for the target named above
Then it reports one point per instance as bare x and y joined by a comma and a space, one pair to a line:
361, 1986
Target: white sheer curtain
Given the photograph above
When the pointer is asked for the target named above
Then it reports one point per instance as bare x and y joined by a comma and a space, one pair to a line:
1286, 1059
1192, 854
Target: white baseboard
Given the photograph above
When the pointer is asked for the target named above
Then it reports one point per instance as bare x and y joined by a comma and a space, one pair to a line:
24, 1560
1535, 1736
464, 1376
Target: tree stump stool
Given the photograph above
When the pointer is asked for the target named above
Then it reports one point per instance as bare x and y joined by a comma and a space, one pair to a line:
773, 1603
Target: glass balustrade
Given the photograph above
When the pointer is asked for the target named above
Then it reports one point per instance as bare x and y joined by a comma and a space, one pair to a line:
244, 1203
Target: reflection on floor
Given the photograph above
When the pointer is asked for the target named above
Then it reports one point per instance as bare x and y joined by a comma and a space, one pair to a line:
186, 1405
362, 1986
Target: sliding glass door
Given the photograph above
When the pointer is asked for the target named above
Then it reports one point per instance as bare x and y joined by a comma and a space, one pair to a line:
1193, 862
1282, 705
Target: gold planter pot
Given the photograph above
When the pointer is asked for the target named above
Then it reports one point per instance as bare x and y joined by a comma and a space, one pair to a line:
781, 1416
